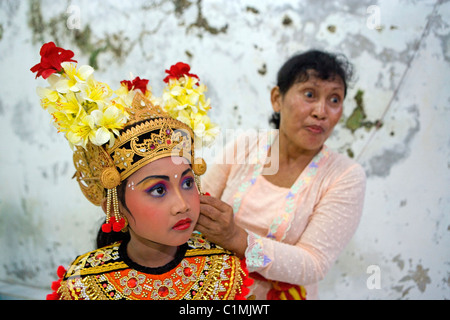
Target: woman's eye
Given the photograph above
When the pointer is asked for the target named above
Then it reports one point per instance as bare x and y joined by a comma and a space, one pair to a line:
335, 100
157, 191
187, 183
308, 94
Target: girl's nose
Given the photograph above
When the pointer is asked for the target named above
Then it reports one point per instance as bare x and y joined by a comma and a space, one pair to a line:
180, 204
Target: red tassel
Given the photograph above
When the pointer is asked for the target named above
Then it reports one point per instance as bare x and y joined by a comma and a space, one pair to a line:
61, 272
118, 225
52, 296
57, 284
106, 227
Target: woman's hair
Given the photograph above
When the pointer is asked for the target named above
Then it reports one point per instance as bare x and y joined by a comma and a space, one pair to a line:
325, 66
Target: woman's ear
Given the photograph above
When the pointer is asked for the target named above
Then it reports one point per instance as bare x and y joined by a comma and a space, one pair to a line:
275, 98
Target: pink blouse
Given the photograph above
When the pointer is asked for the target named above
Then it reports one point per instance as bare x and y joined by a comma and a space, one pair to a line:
294, 234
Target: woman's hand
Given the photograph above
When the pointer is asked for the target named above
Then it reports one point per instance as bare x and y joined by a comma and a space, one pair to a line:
216, 222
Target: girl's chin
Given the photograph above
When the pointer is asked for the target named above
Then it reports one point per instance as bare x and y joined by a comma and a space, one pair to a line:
177, 239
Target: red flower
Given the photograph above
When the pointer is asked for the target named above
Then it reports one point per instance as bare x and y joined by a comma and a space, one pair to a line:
137, 83
178, 70
51, 59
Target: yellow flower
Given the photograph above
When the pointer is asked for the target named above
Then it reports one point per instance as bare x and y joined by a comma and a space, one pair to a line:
82, 131
124, 97
108, 123
185, 101
49, 98
73, 79
205, 130
70, 105
63, 121
97, 92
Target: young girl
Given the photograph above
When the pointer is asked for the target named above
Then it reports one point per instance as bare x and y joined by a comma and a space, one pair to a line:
137, 161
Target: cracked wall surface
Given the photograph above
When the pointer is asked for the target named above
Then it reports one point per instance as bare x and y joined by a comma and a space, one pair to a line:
394, 121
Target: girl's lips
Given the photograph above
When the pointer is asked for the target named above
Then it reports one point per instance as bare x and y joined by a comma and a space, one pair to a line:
182, 224
315, 129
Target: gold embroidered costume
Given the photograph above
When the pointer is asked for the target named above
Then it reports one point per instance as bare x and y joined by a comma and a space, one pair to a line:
200, 271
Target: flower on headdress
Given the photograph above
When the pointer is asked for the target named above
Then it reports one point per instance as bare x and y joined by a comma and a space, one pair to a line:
81, 106
82, 131
178, 70
205, 131
48, 97
136, 84
96, 92
73, 79
108, 123
184, 99
51, 59
128, 89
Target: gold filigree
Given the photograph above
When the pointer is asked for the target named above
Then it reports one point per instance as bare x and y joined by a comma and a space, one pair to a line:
153, 139
110, 178
90, 164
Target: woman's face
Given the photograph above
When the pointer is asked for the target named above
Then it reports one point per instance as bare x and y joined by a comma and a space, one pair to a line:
163, 202
309, 111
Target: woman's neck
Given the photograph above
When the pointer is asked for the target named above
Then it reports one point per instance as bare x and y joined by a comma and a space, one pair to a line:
148, 253
291, 153
292, 160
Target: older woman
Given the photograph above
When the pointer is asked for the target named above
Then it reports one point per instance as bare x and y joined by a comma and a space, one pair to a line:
290, 226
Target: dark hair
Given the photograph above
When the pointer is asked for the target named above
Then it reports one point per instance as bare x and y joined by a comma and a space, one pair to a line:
325, 65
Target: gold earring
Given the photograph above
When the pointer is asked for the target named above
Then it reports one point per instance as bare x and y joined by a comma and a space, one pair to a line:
114, 221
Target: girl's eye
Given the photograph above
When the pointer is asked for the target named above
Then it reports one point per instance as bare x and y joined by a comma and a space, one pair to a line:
187, 183
158, 190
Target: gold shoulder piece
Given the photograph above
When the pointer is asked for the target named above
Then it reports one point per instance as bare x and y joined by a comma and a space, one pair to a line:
98, 261
200, 246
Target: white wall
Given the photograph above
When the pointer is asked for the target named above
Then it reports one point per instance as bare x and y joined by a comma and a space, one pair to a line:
401, 54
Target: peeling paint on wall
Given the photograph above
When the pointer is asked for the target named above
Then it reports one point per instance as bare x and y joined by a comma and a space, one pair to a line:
358, 117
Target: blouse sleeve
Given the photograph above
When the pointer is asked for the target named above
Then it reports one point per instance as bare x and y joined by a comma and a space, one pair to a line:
331, 226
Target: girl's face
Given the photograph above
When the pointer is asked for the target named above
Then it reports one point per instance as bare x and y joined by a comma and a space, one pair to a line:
163, 202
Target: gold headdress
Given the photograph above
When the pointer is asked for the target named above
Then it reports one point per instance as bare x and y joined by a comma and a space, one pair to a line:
113, 137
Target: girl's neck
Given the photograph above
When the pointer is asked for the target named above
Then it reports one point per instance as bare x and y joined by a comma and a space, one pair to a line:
148, 253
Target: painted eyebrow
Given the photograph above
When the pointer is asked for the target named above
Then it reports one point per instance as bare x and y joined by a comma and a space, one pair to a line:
166, 178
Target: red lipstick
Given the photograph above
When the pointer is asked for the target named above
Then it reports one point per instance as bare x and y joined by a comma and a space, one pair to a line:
182, 224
